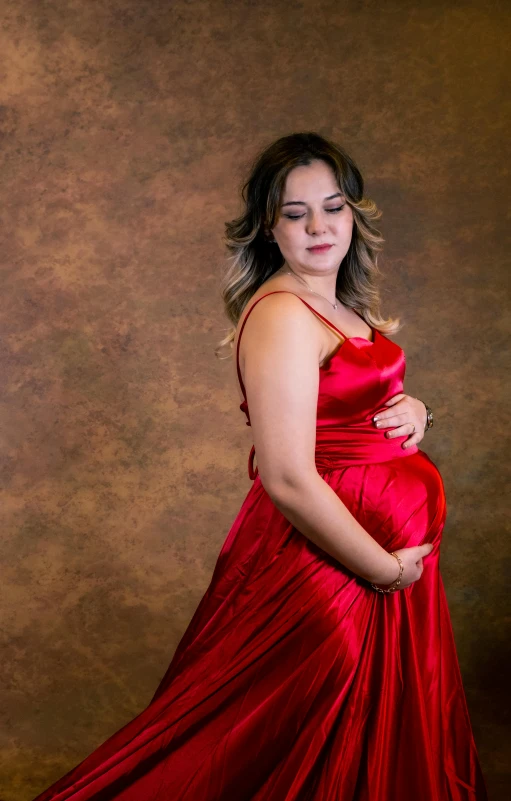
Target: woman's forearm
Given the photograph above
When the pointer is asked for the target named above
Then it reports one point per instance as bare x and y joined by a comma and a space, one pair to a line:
313, 508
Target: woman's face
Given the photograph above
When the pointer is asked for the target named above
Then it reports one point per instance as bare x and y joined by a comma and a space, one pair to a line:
313, 212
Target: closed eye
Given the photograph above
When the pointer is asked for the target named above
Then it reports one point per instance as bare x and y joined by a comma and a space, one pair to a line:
330, 211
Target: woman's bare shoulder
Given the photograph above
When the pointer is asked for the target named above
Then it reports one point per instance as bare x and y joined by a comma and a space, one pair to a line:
279, 316
279, 297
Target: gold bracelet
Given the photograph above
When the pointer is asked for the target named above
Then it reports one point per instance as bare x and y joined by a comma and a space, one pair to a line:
397, 582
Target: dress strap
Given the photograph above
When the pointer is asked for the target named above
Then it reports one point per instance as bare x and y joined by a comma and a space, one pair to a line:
276, 292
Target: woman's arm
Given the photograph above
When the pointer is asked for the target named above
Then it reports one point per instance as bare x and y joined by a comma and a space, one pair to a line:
281, 348
313, 508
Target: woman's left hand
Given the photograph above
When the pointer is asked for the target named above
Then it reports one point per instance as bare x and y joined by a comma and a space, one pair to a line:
406, 414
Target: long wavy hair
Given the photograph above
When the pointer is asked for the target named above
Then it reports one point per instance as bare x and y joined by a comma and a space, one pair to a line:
254, 259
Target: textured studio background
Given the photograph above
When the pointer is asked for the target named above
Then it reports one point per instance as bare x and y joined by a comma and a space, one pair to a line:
125, 129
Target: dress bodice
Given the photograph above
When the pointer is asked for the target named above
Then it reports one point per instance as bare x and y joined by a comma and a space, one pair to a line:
354, 385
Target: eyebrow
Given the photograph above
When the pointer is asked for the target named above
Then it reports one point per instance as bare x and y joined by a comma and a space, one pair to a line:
301, 203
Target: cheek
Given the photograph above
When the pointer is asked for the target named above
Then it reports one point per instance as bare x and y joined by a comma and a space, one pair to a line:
291, 237
346, 226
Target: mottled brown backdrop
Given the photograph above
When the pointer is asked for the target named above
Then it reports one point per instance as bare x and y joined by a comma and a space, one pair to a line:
125, 130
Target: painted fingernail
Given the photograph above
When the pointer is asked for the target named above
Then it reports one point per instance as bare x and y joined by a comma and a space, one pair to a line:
375, 418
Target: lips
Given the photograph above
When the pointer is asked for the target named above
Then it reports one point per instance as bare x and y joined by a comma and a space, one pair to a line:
320, 248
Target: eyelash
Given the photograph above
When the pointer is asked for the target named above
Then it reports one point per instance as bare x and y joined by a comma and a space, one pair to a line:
299, 217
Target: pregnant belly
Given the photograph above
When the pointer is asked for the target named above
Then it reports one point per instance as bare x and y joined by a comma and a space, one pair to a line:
400, 502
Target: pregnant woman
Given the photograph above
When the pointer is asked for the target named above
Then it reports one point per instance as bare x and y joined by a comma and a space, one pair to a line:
320, 664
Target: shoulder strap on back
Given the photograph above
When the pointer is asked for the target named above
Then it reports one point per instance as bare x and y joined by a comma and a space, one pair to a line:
276, 292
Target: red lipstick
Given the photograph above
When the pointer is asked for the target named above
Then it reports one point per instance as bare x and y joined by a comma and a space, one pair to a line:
320, 248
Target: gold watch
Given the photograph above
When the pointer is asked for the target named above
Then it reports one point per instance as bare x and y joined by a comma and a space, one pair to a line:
429, 418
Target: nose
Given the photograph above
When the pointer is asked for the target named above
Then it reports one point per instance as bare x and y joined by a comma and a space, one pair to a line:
316, 224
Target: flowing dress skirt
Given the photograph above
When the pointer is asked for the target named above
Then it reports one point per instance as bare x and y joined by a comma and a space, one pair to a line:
296, 681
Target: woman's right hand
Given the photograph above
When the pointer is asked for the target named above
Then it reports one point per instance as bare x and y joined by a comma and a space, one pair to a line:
412, 565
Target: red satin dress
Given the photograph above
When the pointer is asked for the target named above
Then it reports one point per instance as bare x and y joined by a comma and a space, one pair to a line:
295, 680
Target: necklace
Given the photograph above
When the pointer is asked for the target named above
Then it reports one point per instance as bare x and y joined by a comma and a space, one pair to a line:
334, 305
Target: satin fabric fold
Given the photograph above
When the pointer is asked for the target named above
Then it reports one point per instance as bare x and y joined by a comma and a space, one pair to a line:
295, 680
